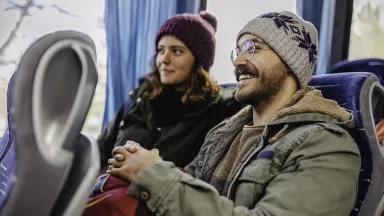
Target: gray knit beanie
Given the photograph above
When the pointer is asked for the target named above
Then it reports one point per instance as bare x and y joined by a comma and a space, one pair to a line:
291, 37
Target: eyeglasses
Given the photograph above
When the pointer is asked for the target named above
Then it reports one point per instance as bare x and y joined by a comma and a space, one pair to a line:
249, 47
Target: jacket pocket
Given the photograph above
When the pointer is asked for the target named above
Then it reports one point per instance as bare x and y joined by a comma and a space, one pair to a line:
262, 169
253, 181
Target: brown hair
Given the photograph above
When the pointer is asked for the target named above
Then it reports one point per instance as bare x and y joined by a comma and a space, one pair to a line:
200, 88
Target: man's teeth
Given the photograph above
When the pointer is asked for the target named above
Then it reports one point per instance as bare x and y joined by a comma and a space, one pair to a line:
245, 76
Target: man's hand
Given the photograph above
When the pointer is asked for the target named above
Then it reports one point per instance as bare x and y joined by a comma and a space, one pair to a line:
130, 159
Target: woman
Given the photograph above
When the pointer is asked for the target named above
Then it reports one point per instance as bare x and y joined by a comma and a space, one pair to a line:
177, 103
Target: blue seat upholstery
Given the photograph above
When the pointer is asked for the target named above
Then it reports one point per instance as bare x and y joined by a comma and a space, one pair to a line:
56, 166
355, 92
7, 150
373, 65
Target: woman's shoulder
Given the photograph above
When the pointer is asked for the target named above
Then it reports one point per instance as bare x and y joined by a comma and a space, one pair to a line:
139, 90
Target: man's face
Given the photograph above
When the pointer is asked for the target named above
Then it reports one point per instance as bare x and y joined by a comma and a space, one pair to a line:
259, 71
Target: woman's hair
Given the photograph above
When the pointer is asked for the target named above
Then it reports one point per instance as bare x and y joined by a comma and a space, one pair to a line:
200, 87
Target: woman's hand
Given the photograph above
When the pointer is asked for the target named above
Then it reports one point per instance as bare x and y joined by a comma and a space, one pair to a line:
380, 131
130, 159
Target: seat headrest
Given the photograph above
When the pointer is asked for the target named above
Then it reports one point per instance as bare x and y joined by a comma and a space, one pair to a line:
373, 65
345, 88
49, 99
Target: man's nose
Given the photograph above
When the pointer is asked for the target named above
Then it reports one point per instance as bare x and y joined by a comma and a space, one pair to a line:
240, 60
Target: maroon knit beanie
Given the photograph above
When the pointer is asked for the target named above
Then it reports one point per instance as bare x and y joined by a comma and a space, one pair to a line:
196, 31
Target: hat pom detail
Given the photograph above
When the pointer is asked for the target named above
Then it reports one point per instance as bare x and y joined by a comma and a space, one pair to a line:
209, 18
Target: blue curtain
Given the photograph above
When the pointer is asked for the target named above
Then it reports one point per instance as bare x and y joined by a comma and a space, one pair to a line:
131, 27
325, 42
312, 11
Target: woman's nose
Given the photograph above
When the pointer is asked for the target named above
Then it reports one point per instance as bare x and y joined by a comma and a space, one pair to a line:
165, 57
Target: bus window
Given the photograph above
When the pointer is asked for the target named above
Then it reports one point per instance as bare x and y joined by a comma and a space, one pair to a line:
18, 30
231, 16
367, 29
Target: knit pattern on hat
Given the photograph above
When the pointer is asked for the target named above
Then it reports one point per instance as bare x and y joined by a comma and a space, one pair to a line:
196, 31
292, 38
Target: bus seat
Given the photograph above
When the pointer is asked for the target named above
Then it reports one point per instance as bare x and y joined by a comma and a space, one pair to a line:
355, 92
7, 150
373, 65
56, 166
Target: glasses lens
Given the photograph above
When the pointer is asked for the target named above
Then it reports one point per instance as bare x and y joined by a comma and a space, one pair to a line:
234, 54
249, 47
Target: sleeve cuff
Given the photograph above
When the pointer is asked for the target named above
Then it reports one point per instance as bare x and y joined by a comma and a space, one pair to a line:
154, 183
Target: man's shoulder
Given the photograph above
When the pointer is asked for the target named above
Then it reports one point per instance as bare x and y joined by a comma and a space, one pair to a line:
319, 135
312, 128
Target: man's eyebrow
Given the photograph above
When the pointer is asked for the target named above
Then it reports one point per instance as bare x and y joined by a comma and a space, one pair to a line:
257, 40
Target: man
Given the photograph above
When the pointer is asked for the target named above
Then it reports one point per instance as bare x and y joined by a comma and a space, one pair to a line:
287, 153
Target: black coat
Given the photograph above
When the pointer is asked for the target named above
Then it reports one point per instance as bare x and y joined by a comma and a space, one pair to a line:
164, 123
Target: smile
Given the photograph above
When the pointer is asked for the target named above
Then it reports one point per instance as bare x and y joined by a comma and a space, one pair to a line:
246, 73
167, 70
246, 76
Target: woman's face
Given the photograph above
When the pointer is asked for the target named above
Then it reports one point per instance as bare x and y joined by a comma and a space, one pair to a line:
174, 61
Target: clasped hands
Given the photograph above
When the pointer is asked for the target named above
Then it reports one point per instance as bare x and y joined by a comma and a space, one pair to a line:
130, 159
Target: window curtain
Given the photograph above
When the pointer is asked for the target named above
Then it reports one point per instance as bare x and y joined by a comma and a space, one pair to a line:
311, 10
325, 37
320, 13
131, 27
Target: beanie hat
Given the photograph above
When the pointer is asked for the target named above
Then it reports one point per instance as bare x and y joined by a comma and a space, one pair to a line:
196, 31
291, 37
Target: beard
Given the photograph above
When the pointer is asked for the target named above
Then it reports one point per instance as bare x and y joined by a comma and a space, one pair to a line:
263, 87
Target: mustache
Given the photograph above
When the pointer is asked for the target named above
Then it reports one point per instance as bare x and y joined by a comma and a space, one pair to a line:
246, 68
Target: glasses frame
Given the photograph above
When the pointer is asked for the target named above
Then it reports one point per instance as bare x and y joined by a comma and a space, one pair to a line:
249, 48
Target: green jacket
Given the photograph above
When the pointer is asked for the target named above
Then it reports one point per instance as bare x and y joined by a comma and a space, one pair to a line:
305, 164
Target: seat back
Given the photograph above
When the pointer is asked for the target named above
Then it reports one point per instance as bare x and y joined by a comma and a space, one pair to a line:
373, 65
7, 150
80, 180
355, 92
56, 166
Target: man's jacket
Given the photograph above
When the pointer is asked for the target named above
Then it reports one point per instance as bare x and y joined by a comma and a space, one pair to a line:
305, 163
